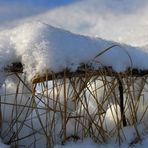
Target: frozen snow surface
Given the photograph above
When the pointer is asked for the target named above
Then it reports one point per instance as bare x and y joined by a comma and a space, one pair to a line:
88, 143
29, 39
40, 47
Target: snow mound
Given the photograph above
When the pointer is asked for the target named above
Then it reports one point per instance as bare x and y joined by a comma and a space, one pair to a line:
40, 47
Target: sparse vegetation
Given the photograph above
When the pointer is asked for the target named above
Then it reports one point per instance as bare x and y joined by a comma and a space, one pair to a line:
74, 107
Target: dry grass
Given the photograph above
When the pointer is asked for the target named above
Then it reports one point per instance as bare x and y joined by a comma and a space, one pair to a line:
57, 108
73, 108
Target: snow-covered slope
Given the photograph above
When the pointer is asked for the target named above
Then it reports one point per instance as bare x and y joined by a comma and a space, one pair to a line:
120, 21
40, 47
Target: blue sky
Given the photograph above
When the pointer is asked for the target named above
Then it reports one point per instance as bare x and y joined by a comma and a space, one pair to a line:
11, 10
49, 3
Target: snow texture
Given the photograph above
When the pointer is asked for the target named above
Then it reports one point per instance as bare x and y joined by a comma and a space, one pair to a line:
88, 143
40, 47
26, 38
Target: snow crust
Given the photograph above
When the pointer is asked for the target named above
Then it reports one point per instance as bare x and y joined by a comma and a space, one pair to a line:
88, 143
40, 47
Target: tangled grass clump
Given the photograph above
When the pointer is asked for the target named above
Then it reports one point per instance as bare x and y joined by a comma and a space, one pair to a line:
70, 106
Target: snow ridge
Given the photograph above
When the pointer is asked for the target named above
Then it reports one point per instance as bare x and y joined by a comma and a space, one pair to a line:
39, 47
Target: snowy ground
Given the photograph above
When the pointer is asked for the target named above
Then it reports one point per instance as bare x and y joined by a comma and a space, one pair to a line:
88, 143
25, 35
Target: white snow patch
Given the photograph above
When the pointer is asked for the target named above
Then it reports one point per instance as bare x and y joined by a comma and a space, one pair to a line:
41, 47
